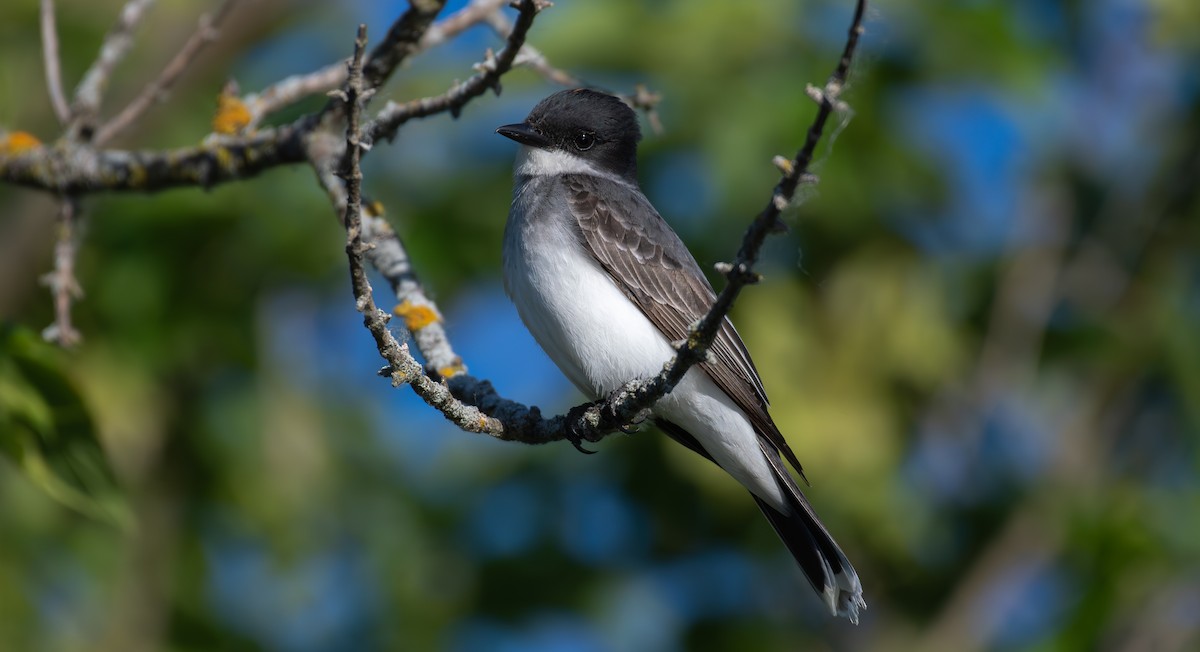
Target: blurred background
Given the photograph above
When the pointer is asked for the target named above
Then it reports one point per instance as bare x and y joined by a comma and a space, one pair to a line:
981, 336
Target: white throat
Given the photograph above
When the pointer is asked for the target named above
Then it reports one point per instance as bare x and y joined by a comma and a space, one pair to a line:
537, 162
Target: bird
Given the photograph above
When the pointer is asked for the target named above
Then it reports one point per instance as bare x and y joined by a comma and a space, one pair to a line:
606, 286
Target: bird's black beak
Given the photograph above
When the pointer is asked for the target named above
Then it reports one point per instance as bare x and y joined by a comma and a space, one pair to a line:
524, 134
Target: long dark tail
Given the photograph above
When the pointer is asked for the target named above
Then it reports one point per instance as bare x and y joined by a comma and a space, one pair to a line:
818, 555
823, 562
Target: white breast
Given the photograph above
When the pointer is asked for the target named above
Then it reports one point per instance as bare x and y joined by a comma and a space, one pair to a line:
575, 311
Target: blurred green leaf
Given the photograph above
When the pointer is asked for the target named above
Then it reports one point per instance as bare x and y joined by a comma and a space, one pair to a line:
46, 429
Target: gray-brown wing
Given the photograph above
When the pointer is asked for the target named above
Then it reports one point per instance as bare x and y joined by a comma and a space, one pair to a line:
654, 268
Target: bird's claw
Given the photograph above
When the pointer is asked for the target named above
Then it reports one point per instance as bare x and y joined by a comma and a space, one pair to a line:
573, 433
577, 441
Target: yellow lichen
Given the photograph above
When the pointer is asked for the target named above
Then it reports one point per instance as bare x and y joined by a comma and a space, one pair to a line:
416, 317
137, 175
451, 370
232, 114
374, 208
224, 157
16, 142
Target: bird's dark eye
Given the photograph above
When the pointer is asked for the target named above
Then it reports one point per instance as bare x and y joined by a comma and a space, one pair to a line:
584, 140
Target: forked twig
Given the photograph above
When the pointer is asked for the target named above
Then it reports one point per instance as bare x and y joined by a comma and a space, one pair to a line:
206, 32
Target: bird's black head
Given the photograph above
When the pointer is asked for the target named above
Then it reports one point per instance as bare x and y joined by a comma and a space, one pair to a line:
591, 125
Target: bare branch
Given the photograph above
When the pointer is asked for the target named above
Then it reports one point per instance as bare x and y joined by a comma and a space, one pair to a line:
402, 40
292, 89
62, 282
393, 115
476, 12
116, 44
206, 32
532, 58
297, 87
53, 64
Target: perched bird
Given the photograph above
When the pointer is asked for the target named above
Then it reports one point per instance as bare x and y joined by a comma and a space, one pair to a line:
605, 286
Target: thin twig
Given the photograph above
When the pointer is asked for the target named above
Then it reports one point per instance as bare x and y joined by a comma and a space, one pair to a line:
292, 89
62, 282
116, 44
476, 12
53, 64
401, 41
375, 319
532, 58
206, 32
393, 115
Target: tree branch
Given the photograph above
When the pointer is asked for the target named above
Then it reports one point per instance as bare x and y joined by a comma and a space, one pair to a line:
53, 64
532, 58
77, 169
393, 115
296, 87
402, 40
116, 44
477, 11
422, 319
292, 89
206, 32
402, 367
64, 287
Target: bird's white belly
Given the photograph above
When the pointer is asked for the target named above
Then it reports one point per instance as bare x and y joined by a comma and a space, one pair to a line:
596, 335
600, 339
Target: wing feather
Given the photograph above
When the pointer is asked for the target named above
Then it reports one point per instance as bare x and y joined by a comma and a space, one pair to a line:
656, 271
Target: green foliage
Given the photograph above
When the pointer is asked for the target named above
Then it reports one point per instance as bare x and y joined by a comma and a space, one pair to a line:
46, 429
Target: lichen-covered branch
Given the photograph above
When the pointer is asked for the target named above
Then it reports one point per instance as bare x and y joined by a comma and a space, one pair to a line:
402, 367
63, 284
79, 169
421, 316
